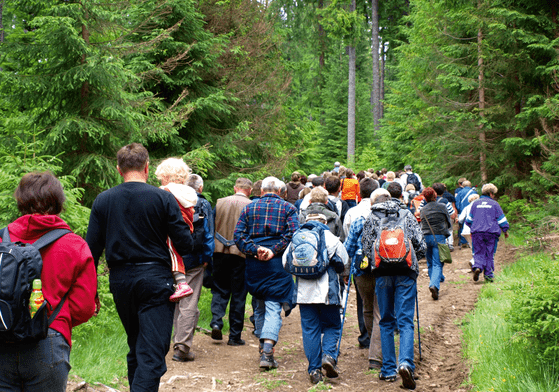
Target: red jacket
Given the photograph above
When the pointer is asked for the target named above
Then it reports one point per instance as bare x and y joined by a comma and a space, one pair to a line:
67, 266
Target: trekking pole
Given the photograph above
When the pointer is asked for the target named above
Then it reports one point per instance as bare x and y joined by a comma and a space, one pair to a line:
418, 332
345, 307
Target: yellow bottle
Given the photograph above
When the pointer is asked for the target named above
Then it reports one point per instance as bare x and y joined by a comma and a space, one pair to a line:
36, 299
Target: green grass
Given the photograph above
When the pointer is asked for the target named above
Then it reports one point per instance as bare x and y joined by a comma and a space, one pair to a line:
499, 362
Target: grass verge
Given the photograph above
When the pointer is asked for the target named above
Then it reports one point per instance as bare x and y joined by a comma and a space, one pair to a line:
500, 361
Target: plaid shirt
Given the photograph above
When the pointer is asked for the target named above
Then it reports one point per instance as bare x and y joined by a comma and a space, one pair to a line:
268, 218
353, 243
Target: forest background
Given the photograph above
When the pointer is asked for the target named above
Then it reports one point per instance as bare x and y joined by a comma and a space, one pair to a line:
456, 88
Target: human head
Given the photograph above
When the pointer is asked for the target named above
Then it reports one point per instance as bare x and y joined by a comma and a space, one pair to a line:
410, 188
466, 183
349, 173
317, 181
407, 168
304, 192
132, 157
390, 176
430, 194
360, 175
257, 188
271, 185
319, 195
367, 186
379, 195
332, 184
439, 188
40, 193
296, 176
461, 181
283, 190
172, 170
395, 190
489, 189
472, 197
303, 180
336, 164
196, 182
243, 185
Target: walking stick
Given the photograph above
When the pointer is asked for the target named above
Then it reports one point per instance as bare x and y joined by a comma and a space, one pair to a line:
418, 332
345, 307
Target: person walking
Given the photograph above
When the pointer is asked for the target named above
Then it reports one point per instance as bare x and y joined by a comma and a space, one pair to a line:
131, 222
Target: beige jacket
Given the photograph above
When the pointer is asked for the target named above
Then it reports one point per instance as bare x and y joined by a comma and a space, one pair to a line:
227, 212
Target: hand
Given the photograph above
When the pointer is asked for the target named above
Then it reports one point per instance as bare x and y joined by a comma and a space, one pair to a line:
264, 254
97, 304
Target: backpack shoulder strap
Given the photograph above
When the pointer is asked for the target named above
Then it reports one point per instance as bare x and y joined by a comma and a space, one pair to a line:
5, 235
57, 309
50, 237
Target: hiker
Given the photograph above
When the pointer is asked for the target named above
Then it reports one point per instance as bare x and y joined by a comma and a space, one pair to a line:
409, 177
263, 231
131, 222
68, 275
364, 279
333, 186
319, 303
390, 178
294, 187
350, 189
440, 189
318, 201
229, 265
336, 167
486, 220
395, 287
461, 198
196, 264
466, 233
435, 224
173, 173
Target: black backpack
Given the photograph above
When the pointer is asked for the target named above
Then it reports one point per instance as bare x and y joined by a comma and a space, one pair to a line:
198, 220
414, 180
20, 264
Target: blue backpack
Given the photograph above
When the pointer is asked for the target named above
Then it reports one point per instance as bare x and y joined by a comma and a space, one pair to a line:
307, 256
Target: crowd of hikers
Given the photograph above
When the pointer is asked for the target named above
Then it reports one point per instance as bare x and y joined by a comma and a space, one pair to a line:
297, 243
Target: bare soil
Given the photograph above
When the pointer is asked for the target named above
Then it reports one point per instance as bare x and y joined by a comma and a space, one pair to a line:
219, 367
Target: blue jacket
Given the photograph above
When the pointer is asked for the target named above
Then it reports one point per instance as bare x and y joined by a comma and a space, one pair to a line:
462, 197
486, 216
193, 260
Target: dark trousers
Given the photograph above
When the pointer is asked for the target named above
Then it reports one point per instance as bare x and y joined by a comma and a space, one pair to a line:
229, 285
141, 293
364, 338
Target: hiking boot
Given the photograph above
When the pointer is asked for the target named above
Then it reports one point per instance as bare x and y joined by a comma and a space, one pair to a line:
183, 356
408, 380
316, 376
477, 271
382, 377
236, 342
488, 280
216, 333
434, 292
267, 361
182, 290
374, 365
329, 366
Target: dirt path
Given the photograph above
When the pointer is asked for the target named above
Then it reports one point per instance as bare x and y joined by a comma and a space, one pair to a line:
219, 367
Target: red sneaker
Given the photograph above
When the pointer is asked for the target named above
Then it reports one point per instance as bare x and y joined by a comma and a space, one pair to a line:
182, 290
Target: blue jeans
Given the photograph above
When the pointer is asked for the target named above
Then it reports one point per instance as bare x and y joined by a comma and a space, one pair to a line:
461, 239
141, 293
318, 320
36, 367
396, 299
267, 318
434, 265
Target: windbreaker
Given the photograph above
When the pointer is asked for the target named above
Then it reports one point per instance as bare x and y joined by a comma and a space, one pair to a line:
67, 267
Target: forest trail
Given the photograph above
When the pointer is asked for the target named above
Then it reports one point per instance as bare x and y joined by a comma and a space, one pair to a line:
219, 367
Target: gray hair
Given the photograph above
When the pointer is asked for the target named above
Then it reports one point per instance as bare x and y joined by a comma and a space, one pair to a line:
195, 181
173, 170
271, 184
407, 167
488, 189
466, 183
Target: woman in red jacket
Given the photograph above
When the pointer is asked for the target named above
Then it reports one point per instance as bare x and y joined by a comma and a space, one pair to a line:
68, 267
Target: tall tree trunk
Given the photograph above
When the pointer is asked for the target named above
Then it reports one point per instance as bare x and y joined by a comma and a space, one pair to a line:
382, 73
481, 90
376, 65
351, 103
